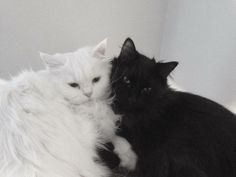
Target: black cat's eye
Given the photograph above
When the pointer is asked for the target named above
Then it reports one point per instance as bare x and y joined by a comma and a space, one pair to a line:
146, 89
96, 79
126, 80
73, 84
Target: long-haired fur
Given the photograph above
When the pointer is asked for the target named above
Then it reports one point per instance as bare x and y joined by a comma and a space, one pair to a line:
175, 134
52, 121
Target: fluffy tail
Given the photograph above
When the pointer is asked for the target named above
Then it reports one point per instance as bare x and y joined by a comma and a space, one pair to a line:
13, 142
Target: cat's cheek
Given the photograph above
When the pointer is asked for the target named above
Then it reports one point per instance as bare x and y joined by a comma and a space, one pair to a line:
72, 95
97, 93
101, 88
104, 89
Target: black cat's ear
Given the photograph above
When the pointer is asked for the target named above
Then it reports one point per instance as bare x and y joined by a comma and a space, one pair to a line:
128, 50
164, 69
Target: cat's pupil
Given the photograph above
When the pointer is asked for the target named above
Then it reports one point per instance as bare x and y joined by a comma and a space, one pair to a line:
96, 79
74, 84
126, 80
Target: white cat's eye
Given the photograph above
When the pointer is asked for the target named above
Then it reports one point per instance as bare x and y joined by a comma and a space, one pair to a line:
73, 84
126, 80
96, 79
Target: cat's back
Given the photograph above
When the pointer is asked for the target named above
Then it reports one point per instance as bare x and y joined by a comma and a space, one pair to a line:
194, 113
202, 131
197, 106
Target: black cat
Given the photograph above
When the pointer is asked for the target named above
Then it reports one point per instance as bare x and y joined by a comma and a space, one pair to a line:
174, 134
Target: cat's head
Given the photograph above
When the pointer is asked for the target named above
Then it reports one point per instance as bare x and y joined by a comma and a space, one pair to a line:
81, 75
137, 80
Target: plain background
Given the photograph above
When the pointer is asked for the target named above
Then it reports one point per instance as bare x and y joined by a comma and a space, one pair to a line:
200, 34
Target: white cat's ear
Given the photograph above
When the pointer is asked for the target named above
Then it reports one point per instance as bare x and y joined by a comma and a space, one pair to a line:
100, 49
51, 61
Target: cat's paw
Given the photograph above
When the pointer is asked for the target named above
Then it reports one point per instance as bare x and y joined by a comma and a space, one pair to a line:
128, 160
124, 151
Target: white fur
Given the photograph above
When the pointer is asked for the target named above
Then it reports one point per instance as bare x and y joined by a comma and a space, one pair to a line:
124, 151
48, 128
174, 85
2, 82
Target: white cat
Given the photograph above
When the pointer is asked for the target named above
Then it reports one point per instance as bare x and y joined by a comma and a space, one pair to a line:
52, 121
2, 82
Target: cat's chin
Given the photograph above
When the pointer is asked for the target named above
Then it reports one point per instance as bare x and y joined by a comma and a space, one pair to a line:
77, 102
86, 100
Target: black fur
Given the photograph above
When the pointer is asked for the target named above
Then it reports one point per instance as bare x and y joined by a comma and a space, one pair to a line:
175, 134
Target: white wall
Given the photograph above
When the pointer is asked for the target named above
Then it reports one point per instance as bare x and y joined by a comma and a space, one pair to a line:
201, 34
27, 26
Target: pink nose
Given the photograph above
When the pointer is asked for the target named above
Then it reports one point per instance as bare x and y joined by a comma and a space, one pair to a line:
88, 94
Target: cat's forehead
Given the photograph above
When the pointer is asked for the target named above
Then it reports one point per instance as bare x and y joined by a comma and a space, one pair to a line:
82, 58
138, 69
82, 64
139, 62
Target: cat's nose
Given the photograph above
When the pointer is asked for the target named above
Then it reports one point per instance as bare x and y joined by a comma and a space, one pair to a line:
88, 94
87, 91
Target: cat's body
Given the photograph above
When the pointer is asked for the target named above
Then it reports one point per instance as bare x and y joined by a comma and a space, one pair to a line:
175, 134
53, 121
41, 136
182, 140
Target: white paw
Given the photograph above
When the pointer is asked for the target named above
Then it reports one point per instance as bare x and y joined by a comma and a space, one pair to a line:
124, 151
128, 160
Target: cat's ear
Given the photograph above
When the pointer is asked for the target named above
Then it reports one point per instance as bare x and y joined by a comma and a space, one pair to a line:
51, 61
164, 69
128, 50
100, 49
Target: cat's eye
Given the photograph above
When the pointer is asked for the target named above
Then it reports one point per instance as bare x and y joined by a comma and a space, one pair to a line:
146, 89
126, 80
96, 79
73, 84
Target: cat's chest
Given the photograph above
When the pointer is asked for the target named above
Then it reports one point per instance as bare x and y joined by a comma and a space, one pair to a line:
52, 118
